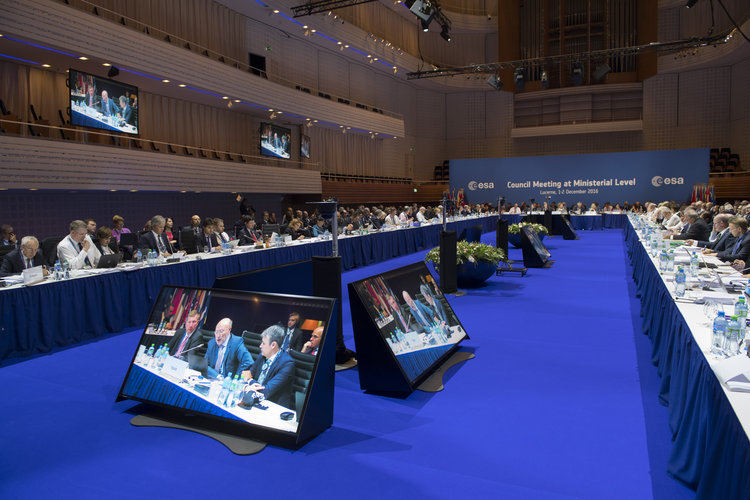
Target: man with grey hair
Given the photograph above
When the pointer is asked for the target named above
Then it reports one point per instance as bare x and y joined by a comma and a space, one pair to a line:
226, 353
156, 239
272, 374
26, 257
695, 228
724, 238
78, 248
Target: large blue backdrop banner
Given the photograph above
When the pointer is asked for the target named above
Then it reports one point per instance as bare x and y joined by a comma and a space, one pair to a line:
613, 177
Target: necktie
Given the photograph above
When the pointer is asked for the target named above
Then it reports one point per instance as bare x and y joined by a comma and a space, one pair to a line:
287, 339
264, 371
160, 244
220, 360
182, 345
685, 229
29, 264
86, 260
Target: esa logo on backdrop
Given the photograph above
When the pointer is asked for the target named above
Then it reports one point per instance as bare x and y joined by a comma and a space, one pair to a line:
474, 185
658, 181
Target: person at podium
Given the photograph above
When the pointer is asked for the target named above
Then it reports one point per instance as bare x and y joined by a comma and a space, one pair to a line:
272, 374
226, 353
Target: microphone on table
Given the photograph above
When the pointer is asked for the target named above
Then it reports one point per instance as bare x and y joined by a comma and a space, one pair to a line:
188, 350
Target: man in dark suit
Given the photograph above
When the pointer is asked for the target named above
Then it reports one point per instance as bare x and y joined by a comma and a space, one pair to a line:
421, 313
740, 250
126, 113
226, 353
8, 236
106, 105
724, 238
272, 374
207, 240
186, 339
695, 228
294, 337
26, 257
249, 235
156, 239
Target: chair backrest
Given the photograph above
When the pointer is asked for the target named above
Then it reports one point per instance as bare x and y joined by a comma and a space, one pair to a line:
252, 343
128, 239
303, 368
49, 249
268, 229
5, 250
187, 241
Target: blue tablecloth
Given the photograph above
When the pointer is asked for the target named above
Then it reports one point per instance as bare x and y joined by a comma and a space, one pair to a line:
614, 221
512, 218
40, 318
711, 452
586, 222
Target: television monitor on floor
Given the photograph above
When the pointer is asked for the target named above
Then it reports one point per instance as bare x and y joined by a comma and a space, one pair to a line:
535, 254
232, 389
401, 316
275, 141
97, 102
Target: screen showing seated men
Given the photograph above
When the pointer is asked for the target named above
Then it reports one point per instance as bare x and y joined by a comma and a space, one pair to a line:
536, 242
304, 146
243, 356
102, 103
275, 141
412, 316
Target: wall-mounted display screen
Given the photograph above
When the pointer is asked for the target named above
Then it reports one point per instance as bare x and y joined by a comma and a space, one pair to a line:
247, 358
304, 146
275, 141
412, 316
102, 103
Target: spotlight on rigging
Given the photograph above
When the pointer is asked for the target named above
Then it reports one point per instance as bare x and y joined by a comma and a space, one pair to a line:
113, 72
691, 3
445, 33
545, 79
601, 71
519, 77
494, 82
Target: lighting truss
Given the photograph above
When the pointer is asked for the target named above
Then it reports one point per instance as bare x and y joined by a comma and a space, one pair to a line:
309, 8
492, 68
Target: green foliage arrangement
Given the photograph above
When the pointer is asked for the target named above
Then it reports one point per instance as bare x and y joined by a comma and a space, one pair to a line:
469, 252
516, 228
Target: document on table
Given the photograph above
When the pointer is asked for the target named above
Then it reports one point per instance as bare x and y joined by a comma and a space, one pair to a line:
734, 372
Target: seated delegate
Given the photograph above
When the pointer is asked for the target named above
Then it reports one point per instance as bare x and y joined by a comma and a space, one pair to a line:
226, 353
272, 374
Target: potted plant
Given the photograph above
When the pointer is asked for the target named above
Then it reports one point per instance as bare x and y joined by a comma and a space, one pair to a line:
475, 262
514, 232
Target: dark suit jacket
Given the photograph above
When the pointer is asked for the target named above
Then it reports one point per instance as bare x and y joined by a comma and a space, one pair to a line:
236, 357
279, 380
298, 339
107, 108
148, 242
127, 114
195, 340
742, 253
14, 261
201, 241
698, 230
720, 244
247, 239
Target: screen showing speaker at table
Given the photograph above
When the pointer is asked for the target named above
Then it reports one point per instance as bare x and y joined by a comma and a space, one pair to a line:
246, 357
412, 316
97, 102
304, 146
275, 141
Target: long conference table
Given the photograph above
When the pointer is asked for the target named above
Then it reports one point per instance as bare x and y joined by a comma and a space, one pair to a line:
578, 222
38, 318
710, 424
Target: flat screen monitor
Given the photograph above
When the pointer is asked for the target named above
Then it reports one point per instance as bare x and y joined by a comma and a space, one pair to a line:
304, 146
412, 316
97, 102
220, 369
539, 247
275, 141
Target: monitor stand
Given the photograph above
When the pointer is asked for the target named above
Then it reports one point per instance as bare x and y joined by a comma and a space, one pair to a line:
434, 383
236, 444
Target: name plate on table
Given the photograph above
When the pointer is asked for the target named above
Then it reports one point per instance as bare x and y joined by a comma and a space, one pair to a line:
32, 275
174, 368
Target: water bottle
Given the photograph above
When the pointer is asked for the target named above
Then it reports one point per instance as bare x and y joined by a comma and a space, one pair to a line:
719, 334
58, 271
654, 245
236, 390
670, 262
159, 358
663, 261
138, 255
66, 270
740, 310
679, 282
222, 398
694, 265
149, 355
732, 339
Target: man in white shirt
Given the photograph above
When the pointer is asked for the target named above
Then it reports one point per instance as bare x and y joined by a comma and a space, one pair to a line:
222, 235
78, 248
420, 215
515, 209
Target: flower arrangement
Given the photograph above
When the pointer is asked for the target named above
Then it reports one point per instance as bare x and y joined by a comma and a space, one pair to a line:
469, 252
538, 228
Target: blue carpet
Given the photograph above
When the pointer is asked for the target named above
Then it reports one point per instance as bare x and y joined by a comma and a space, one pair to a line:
559, 403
